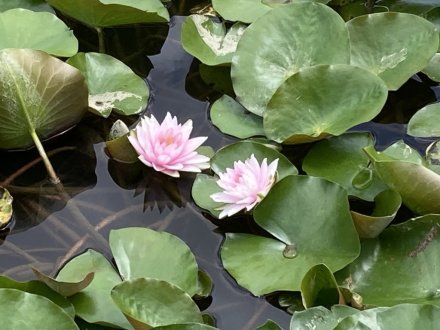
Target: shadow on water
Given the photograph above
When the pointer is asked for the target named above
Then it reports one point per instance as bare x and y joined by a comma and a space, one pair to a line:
111, 195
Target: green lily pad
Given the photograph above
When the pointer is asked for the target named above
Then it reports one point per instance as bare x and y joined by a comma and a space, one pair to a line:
6, 210
269, 325
387, 203
264, 265
418, 185
204, 284
34, 5
424, 123
203, 187
280, 44
298, 112
112, 85
341, 160
65, 289
401, 317
36, 312
39, 94
106, 13
141, 252
394, 46
210, 41
151, 303
40, 289
320, 318
22, 28
319, 287
245, 11
401, 151
94, 303
118, 145
405, 257
232, 118
432, 70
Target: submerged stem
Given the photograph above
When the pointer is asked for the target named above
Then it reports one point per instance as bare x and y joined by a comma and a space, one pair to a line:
52, 175
101, 40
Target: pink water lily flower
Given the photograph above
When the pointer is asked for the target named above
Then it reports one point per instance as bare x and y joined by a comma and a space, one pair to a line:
166, 147
245, 185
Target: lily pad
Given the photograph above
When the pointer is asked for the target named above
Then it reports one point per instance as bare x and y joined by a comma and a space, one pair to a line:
387, 203
65, 289
320, 318
245, 11
151, 303
22, 28
142, 252
319, 287
280, 44
204, 284
341, 160
40, 289
394, 46
203, 187
34, 5
232, 118
405, 257
401, 151
94, 303
6, 210
401, 317
210, 41
106, 13
36, 312
424, 123
112, 85
269, 325
432, 70
40, 95
298, 112
418, 185
433, 157
264, 265
118, 145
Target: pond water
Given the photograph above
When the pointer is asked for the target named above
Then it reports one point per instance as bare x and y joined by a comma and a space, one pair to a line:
105, 195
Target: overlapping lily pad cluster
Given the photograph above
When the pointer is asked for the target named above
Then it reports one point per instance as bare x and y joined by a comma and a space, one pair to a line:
301, 74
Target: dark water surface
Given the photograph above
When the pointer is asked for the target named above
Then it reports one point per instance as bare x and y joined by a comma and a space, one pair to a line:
107, 195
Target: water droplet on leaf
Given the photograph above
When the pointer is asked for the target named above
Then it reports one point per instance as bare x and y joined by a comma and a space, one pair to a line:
290, 251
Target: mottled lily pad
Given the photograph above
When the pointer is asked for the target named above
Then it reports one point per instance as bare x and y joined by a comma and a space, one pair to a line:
112, 85
210, 41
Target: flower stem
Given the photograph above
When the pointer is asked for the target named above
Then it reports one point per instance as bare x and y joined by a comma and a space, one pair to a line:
101, 40
52, 175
